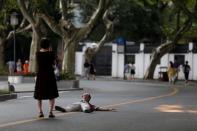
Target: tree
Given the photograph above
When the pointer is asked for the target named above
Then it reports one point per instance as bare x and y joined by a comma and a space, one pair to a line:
183, 24
7, 7
70, 34
91, 52
29, 10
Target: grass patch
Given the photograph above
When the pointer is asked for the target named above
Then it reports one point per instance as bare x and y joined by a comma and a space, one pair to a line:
4, 92
3, 71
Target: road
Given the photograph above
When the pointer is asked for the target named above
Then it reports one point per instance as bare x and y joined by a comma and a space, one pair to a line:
141, 106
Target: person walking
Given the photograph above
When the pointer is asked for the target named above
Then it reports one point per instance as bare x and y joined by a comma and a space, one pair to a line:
86, 66
46, 86
92, 71
132, 71
127, 71
171, 73
19, 66
186, 70
11, 66
26, 67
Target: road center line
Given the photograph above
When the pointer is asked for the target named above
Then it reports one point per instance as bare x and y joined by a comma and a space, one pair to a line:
174, 92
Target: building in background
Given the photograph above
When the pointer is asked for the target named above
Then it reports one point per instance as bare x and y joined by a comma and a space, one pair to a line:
110, 60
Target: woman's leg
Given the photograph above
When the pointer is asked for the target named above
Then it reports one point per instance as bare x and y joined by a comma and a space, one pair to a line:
40, 109
51, 106
40, 106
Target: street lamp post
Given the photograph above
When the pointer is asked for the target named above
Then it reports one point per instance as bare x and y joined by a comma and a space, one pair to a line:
14, 22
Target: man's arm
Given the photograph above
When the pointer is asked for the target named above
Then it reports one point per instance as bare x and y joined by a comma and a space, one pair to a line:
104, 109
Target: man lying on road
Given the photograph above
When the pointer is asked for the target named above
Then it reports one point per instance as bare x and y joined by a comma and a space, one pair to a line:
84, 105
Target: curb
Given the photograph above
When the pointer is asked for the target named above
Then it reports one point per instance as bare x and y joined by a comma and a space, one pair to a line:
14, 95
8, 97
71, 89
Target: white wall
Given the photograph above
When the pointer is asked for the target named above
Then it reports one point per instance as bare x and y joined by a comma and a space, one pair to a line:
163, 63
141, 62
79, 60
194, 69
117, 63
120, 65
146, 62
114, 61
190, 57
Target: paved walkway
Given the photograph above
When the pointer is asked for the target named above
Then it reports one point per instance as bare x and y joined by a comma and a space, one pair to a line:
141, 106
28, 83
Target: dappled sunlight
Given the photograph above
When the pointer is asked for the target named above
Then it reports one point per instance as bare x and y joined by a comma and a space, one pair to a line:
175, 109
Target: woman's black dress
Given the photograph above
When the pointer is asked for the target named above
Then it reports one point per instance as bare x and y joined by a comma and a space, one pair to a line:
46, 86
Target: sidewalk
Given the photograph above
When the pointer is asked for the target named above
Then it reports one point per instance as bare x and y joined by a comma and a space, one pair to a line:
28, 85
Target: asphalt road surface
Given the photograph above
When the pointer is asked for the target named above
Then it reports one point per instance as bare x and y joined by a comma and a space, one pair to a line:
140, 106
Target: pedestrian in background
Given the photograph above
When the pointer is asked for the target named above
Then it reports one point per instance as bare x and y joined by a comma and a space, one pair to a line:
92, 72
19, 66
86, 66
132, 71
46, 86
171, 73
11, 66
186, 70
26, 67
127, 71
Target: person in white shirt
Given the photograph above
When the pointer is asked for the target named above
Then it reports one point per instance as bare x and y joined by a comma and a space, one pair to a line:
83, 106
19, 66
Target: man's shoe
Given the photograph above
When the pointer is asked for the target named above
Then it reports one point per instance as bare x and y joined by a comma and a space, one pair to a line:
58, 108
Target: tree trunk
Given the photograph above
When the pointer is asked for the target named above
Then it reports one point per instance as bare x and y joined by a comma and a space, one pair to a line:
2, 53
34, 48
156, 57
165, 48
72, 35
68, 64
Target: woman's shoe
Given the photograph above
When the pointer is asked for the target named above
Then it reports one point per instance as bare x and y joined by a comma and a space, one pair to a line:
51, 115
41, 115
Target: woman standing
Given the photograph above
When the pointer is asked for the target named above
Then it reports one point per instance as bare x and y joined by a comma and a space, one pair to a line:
46, 87
171, 73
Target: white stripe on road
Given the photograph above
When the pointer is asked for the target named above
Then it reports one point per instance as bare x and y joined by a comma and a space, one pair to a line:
31, 96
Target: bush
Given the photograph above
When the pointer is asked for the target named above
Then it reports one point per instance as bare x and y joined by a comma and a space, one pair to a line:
3, 71
67, 76
4, 92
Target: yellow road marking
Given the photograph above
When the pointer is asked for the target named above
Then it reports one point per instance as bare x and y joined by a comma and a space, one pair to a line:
31, 120
174, 92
